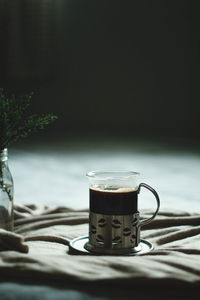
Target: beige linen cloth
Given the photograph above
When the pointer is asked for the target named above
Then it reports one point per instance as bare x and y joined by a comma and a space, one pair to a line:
38, 250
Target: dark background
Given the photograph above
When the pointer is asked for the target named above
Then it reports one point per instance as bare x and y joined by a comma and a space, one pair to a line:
105, 67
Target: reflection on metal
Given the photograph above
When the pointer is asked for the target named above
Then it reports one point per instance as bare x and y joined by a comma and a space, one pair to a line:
113, 234
78, 246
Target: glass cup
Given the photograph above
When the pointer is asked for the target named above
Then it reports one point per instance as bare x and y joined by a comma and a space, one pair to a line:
114, 220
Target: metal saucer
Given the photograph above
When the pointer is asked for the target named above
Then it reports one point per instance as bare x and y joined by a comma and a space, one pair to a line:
76, 246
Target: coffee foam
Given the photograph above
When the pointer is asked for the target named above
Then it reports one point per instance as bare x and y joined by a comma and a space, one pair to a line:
113, 189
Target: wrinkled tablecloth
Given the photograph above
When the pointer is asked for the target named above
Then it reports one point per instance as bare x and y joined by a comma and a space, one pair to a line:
37, 251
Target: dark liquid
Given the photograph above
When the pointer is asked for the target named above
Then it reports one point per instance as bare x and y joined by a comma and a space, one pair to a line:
113, 203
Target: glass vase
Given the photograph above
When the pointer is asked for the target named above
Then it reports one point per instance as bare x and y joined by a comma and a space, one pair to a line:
6, 193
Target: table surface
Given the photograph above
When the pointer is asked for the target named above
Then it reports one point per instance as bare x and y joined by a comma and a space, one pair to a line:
54, 174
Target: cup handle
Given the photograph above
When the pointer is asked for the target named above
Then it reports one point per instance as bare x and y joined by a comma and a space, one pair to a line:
146, 221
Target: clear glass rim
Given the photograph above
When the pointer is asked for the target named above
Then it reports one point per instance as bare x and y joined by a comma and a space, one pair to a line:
111, 174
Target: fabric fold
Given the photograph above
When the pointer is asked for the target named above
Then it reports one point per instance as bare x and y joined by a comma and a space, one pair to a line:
12, 241
46, 232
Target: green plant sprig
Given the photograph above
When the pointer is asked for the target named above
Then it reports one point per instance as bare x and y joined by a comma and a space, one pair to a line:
14, 124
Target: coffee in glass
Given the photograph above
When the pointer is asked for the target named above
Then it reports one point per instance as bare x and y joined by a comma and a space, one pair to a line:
114, 222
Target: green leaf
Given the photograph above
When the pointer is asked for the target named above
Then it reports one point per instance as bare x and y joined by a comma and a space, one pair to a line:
13, 122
